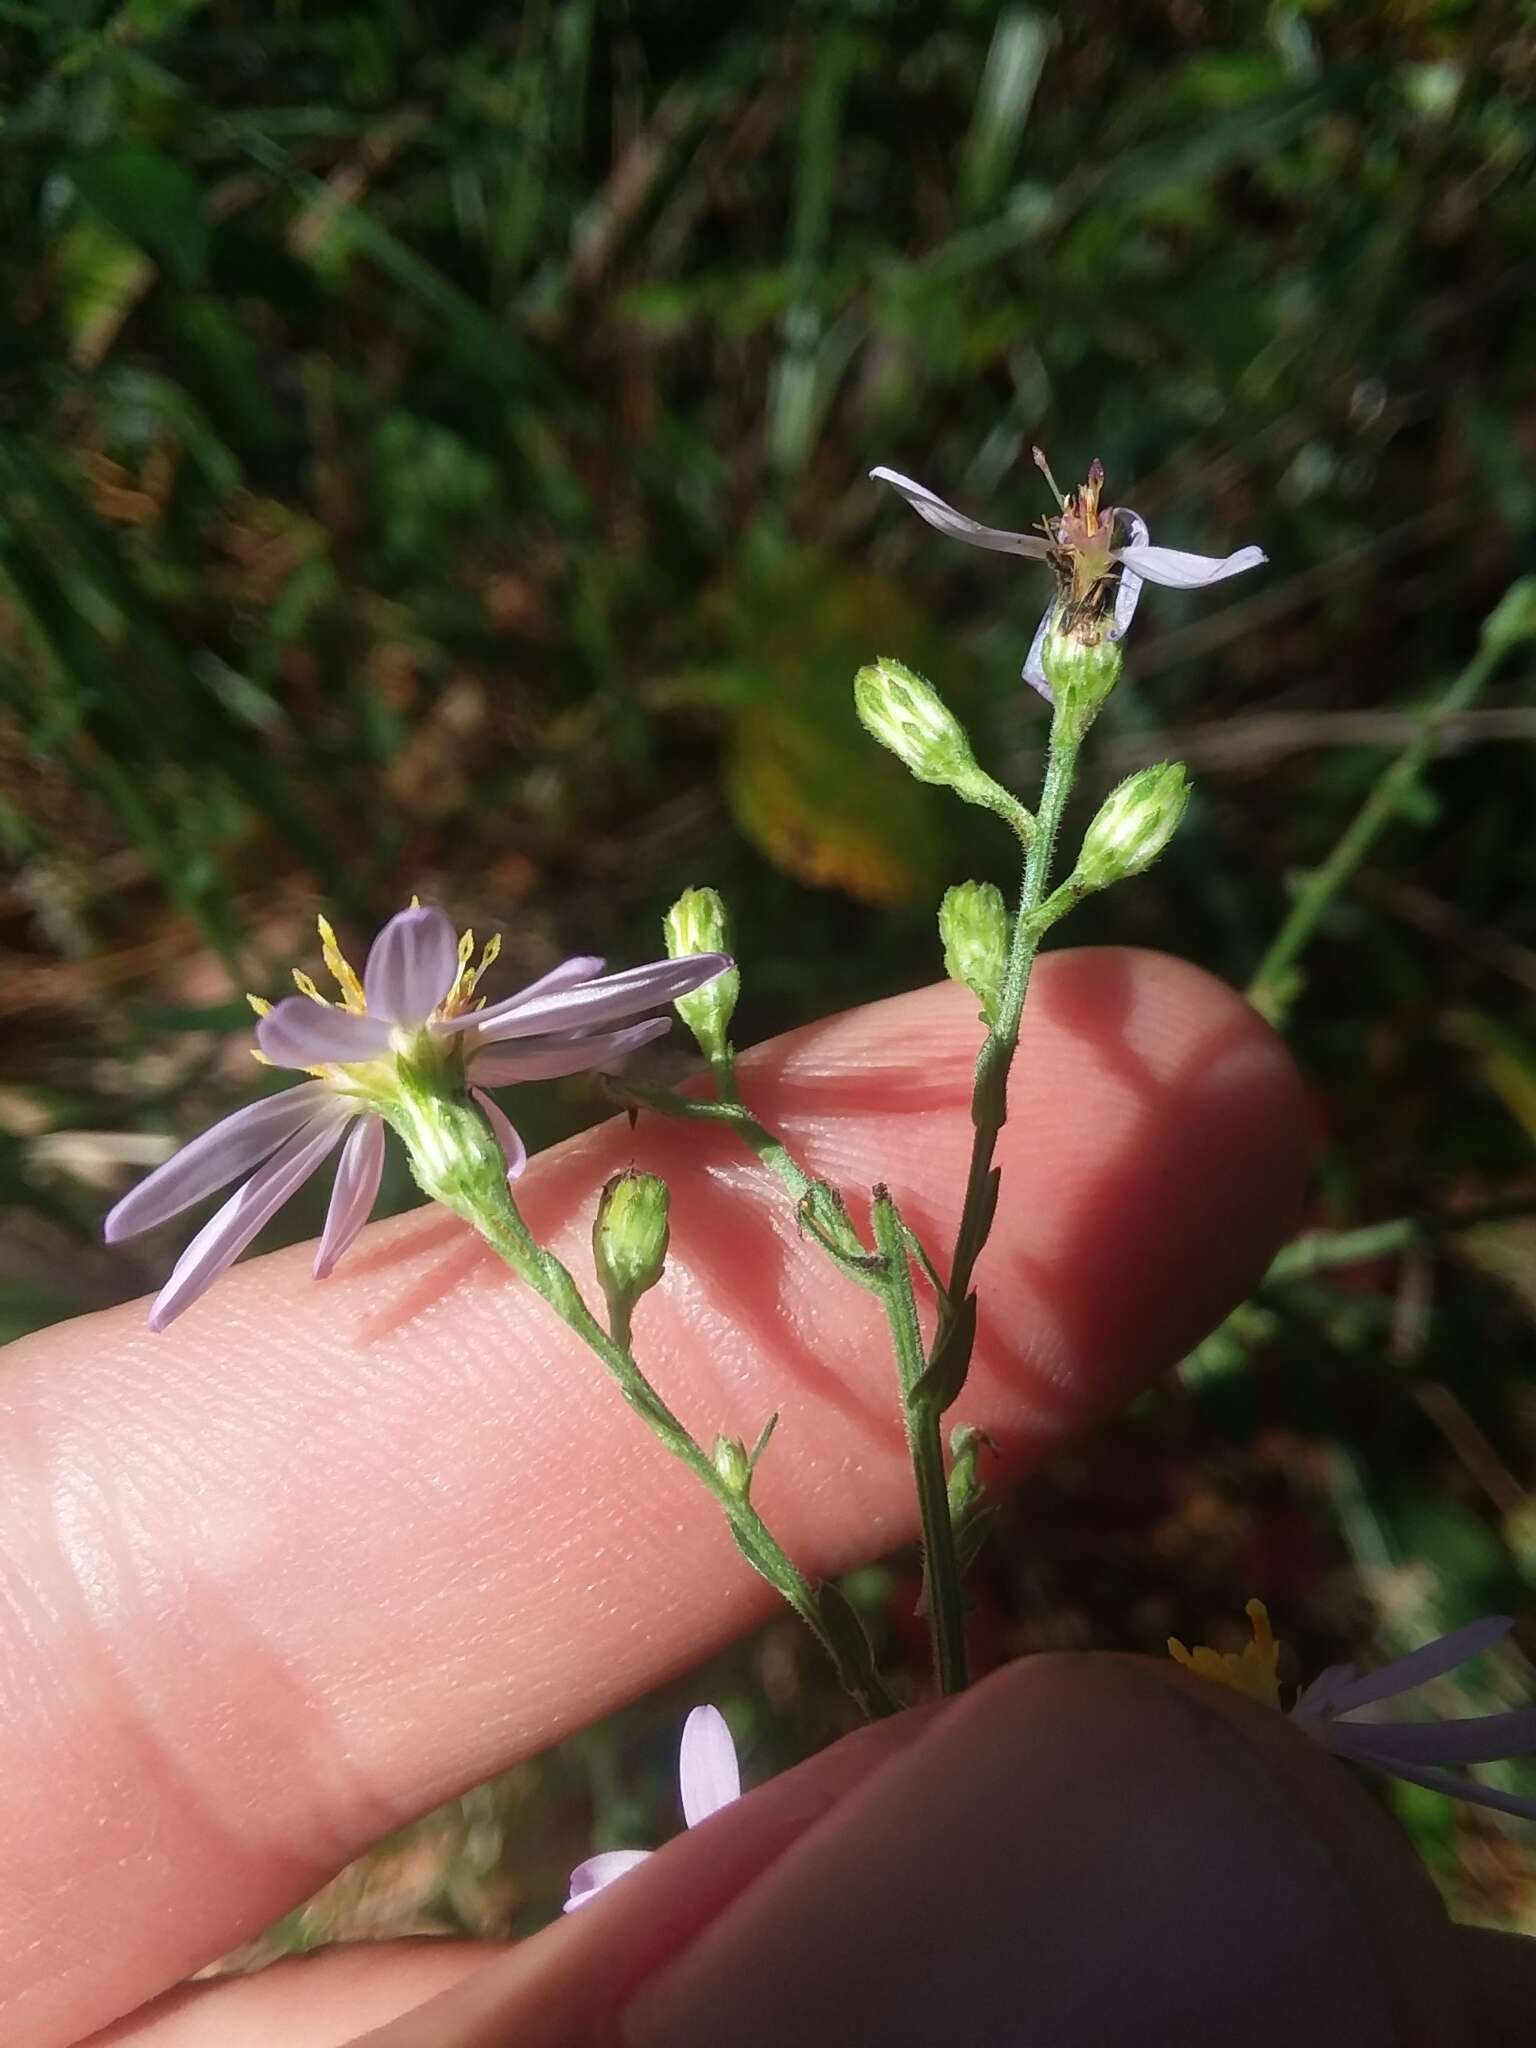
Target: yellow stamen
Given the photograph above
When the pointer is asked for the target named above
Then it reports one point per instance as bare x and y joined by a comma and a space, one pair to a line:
306, 987
259, 1004
341, 970
467, 978
1252, 1671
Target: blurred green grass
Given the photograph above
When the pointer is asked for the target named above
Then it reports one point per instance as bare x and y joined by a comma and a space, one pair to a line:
432, 456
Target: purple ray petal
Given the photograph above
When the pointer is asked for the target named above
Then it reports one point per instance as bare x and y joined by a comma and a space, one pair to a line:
1480, 1739
299, 1033
412, 964
576, 1055
221, 1154
598, 1002
1032, 671
222, 1239
1317, 1701
1128, 589
957, 526
1419, 1666
1179, 571
1465, 1789
708, 1775
589, 1878
353, 1196
513, 1150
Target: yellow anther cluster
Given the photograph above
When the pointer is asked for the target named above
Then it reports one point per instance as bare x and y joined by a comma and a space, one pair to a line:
468, 977
1253, 1671
340, 969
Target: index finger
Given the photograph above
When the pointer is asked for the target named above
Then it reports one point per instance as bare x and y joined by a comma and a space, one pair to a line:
323, 1555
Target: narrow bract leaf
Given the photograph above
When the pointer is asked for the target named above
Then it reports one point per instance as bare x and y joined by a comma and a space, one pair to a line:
940, 1385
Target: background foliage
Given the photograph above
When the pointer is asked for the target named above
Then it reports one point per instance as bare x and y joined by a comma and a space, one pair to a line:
432, 452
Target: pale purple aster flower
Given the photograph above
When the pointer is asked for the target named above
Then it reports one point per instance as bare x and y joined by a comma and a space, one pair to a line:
708, 1777
416, 995
1421, 1751
1418, 1751
1101, 558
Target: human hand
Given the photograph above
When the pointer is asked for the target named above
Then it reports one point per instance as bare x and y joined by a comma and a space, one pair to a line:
323, 1555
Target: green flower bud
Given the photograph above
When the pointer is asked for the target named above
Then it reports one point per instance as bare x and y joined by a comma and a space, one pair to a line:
1081, 673
973, 924
699, 923
733, 1463
909, 717
629, 1237
1134, 824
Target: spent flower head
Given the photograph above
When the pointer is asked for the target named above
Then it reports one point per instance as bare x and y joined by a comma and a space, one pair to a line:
1336, 1709
1101, 555
405, 1044
708, 1777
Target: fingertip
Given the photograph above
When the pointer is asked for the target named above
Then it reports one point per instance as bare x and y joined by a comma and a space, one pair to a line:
1179, 1140
1084, 1849
1154, 1158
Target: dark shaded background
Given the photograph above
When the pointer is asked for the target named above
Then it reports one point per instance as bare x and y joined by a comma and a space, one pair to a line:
432, 456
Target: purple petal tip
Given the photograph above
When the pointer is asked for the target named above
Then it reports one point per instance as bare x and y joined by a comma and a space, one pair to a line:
708, 1773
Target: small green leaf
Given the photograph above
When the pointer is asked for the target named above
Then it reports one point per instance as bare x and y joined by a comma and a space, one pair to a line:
847, 1632
940, 1385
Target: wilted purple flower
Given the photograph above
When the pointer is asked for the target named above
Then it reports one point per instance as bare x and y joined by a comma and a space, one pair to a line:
1418, 1751
708, 1777
1101, 559
415, 1002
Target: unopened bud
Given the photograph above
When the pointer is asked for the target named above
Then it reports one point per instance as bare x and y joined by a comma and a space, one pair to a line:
1134, 824
699, 923
733, 1464
1081, 670
909, 717
973, 924
629, 1237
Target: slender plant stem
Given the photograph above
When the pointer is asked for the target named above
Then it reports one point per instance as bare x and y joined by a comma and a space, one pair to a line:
989, 1101
1319, 1251
504, 1229
889, 1272
757, 1138
921, 1414
1273, 986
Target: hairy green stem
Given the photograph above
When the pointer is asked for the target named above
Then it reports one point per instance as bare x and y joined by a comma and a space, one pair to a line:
921, 1414
757, 1138
989, 1101
503, 1228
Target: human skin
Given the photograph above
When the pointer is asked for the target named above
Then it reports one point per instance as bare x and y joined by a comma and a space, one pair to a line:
323, 1555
